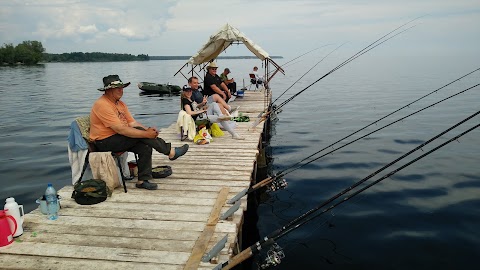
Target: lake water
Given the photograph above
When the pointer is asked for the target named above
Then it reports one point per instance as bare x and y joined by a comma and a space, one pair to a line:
424, 217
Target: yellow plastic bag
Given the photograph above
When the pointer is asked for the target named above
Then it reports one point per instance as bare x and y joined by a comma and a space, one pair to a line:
202, 137
215, 130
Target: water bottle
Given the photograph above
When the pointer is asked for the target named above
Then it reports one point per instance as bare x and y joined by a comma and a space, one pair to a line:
16, 211
52, 202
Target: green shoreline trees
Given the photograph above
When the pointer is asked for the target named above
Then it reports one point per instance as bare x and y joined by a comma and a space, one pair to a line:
32, 52
28, 53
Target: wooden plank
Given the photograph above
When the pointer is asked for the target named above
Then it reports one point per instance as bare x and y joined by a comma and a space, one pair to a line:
202, 242
25, 262
96, 253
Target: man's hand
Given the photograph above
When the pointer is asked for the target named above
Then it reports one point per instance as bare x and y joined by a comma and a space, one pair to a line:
204, 100
152, 133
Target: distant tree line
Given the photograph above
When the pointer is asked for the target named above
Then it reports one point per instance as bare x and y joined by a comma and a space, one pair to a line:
27, 52
93, 57
32, 52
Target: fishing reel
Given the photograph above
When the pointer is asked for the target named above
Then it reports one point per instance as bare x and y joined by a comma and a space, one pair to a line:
277, 184
274, 257
276, 110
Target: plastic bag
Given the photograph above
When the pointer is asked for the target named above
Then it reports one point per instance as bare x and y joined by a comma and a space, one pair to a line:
215, 130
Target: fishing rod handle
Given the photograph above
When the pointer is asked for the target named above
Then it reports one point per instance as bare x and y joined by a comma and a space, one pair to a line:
242, 256
262, 183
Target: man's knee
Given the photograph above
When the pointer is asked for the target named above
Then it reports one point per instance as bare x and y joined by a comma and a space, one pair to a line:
143, 149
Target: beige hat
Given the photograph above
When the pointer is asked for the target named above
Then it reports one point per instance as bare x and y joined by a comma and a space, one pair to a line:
212, 65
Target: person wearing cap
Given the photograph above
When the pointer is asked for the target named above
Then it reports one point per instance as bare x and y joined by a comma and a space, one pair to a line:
113, 128
230, 83
213, 84
201, 99
214, 114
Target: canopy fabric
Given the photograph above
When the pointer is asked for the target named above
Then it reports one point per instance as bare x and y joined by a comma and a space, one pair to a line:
219, 41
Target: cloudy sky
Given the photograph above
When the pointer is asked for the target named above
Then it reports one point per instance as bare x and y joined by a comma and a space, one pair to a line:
281, 27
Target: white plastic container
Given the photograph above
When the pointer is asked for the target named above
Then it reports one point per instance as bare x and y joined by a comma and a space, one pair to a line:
16, 211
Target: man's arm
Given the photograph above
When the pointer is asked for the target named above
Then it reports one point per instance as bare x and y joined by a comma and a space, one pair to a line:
132, 132
218, 91
225, 88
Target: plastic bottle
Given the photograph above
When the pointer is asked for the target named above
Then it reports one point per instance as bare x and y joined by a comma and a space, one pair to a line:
52, 202
13, 209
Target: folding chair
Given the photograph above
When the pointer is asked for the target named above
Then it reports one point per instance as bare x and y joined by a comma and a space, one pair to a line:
253, 80
84, 125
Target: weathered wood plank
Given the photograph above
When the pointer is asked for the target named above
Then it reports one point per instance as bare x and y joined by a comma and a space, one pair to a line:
96, 253
202, 242
25, 262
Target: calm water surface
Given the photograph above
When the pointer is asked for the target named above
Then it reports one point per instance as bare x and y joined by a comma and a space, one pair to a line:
425, 217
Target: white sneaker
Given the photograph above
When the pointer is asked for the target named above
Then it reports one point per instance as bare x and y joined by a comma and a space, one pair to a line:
237, 137
234, 109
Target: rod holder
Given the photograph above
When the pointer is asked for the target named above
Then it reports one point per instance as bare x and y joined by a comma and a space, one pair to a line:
238, 196
215, 250
230, 211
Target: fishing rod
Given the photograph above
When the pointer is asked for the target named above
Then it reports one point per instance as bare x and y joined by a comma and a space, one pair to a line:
279, 182
355, 56
276, 254
275, 108
286, 63
308, 71
385, 176
378, 120
291, 169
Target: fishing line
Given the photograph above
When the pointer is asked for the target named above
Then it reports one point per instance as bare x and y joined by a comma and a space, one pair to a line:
299, 164
355, 56
293, 168
348, 189
384, 177
301, 220
321, 60
286, 64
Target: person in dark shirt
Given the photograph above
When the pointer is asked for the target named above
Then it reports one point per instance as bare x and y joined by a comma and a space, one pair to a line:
197, 97
213, 84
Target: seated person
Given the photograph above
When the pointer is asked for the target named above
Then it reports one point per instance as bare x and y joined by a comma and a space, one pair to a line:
113, 128
213, 113
230, 83
257, 77
213, 84
203, 99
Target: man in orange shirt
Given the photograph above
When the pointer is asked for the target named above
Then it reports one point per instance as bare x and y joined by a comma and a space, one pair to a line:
113, 128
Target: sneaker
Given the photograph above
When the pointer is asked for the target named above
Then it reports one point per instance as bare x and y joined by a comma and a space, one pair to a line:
180, 151
224, 118
233, 109
147, 185
237, 137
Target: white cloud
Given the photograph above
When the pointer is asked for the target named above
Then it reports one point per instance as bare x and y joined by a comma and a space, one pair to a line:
280, 27
88, 29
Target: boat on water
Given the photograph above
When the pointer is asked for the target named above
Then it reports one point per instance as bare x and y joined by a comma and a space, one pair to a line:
158, 88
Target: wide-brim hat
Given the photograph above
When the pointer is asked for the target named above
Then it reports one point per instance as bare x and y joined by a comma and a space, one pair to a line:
212, 65
112, 81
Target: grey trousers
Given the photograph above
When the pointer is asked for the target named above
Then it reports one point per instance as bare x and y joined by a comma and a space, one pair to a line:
213, 112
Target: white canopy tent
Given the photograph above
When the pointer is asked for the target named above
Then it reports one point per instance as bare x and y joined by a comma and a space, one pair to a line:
219, 42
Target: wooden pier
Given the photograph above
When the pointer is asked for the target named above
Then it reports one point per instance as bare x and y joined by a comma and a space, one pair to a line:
168, 228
